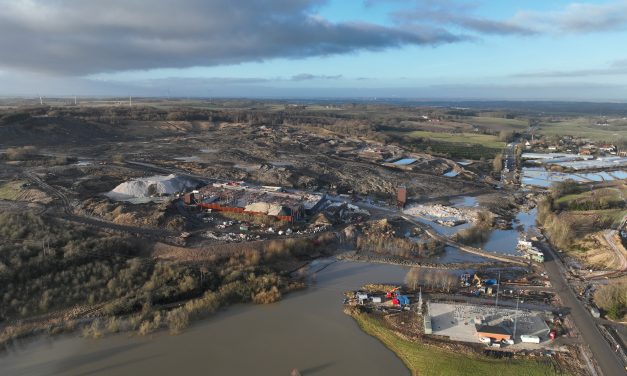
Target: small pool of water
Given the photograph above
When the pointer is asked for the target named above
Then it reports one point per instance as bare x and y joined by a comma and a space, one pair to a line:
193, 158
465, 202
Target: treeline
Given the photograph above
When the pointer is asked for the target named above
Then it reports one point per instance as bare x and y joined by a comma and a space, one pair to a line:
48, 266
380, 237
434, 279
479, 233
564, 229
401, 247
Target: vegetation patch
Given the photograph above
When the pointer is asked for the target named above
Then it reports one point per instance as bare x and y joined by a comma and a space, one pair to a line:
10, 190
612, 298
51, 269
486, 140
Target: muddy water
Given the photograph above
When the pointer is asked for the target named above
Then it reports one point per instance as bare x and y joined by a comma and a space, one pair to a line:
505, 241
499, 241
307, 330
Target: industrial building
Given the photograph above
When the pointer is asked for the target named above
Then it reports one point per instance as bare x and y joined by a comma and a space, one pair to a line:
497, 333
239, 197
469, 323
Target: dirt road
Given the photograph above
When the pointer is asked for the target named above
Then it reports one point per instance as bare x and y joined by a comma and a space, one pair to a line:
472, 250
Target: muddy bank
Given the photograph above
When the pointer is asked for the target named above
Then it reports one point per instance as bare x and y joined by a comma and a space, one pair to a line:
359, 257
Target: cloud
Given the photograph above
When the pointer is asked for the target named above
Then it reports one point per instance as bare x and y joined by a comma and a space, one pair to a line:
308, 76
573, 18
583, 18
617, 68
457, 14
75, 37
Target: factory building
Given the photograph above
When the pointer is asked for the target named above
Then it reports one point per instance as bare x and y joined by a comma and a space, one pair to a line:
239, 197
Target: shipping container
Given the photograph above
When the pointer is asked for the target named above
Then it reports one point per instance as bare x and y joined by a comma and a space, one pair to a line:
530, 339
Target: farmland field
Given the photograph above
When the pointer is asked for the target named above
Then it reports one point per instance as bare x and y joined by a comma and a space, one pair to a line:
498, 123
486, 140
585, 127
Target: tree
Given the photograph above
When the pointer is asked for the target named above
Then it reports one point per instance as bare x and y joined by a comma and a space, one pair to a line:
412, 278
506, 135
497, 163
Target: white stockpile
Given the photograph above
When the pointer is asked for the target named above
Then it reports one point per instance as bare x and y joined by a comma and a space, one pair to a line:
442, 214
153, 185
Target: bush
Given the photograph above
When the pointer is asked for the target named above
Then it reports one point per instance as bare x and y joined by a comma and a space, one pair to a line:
20, 153
612, 298
177, 320
267, 296
94, 330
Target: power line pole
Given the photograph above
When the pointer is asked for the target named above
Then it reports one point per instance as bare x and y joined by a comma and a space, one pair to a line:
498, 286
516, 316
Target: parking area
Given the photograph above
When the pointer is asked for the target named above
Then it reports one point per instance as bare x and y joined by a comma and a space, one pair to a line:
457, 321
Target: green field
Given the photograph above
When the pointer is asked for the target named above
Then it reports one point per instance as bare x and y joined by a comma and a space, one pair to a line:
613, 195
486, 140
498, 123
428, 360
586, 128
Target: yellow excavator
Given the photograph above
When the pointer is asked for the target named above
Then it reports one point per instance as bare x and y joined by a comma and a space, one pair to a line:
476, 280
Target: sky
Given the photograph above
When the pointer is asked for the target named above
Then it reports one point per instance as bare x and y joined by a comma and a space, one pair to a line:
417, 49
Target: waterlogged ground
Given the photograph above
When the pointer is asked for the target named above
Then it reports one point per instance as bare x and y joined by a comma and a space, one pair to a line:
499, 241
539, 177
307, 330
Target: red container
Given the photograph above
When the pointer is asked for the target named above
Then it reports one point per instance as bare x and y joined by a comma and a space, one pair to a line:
552, 334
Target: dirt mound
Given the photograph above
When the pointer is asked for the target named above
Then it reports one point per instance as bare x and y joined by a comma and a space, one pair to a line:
150, 186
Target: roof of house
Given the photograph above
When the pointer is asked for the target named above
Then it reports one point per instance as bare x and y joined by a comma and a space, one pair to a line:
492, 329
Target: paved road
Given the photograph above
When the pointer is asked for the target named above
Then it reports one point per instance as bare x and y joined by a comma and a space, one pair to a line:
509, 164
605, 356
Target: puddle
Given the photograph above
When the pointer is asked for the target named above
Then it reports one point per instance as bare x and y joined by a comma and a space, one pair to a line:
193, 158
465, 202
281, 164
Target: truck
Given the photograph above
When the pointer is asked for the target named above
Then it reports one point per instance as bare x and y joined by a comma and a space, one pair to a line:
529, 339
361, 297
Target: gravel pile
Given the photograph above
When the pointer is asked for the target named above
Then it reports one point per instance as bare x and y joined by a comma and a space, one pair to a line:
151, 186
